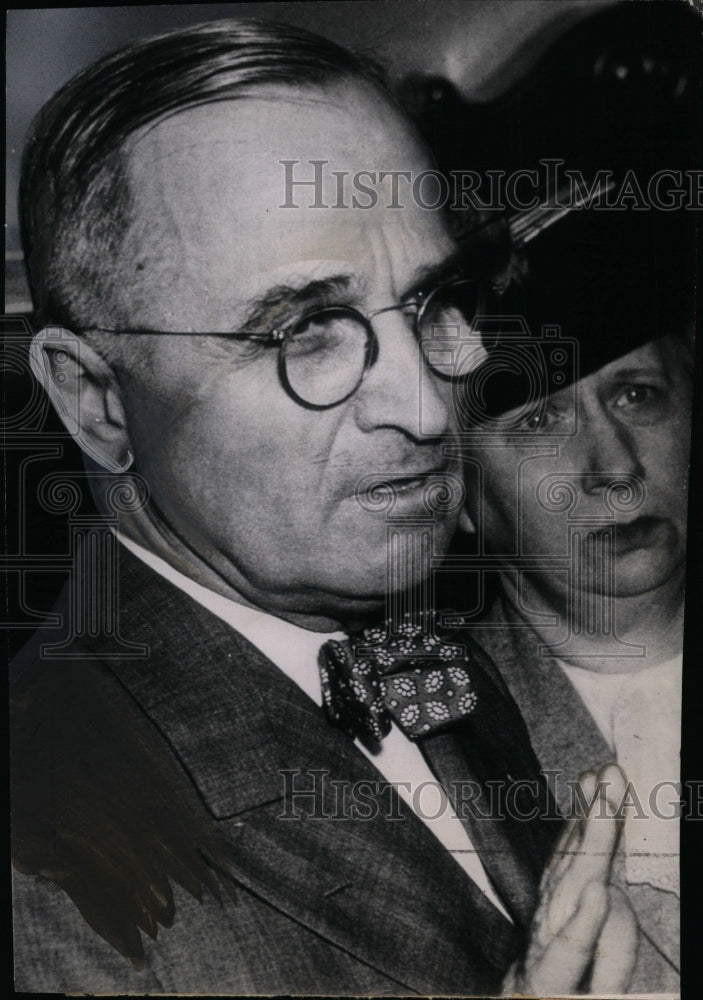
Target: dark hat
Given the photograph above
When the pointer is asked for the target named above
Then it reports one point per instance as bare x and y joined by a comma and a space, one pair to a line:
619, 94
612, 279
598, 284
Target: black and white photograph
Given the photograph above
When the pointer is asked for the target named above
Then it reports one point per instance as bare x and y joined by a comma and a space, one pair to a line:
352, 440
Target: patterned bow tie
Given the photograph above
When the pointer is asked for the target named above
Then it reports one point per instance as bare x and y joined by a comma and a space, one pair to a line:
418, 680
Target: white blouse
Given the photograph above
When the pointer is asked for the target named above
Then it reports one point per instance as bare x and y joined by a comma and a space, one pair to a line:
639, 715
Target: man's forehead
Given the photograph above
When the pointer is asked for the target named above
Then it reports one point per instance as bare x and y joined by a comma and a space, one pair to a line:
208, 194
195, 165
344, 120
300, 273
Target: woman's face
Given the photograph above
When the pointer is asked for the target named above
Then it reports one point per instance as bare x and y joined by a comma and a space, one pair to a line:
550, 498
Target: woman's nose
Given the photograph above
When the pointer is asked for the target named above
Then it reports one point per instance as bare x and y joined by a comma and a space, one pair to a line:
609, 451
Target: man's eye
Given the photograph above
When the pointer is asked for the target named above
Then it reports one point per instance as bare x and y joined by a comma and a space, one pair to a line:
317, 336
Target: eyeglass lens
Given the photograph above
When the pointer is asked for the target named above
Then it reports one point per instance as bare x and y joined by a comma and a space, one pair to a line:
326, 355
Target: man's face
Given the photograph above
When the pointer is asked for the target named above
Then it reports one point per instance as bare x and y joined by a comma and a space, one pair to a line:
633, 421
259, 487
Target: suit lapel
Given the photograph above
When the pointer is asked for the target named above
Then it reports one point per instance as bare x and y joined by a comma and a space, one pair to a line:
491, 750
380, 888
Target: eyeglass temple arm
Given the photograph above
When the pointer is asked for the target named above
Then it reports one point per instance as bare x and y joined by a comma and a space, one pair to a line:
270, 336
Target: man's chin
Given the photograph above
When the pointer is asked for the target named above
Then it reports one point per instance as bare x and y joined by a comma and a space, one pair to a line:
398, 557
362, 587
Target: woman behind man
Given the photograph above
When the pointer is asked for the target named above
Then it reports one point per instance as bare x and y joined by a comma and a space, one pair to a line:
577, 485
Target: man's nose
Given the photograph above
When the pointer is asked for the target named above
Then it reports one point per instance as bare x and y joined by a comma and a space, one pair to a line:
399, 390
610, 450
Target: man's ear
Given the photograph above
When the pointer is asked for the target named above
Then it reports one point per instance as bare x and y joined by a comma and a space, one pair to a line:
84, 391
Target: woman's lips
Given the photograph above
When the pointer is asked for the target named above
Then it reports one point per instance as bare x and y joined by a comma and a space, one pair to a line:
637, 534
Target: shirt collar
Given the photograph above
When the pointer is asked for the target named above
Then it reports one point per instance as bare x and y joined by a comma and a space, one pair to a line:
294, 650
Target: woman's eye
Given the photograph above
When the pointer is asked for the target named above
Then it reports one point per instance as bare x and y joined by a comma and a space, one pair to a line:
643, 403
543, 419
536, 421
635, 395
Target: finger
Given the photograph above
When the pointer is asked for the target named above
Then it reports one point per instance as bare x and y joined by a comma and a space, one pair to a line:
512, 981
616, 949
560, 855
570, 839
610, 777
588, 782
563, 963
572, 835
603, 825
589, 863
585, 850
613, 779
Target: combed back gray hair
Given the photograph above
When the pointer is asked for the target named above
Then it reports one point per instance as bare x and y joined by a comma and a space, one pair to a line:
74, 196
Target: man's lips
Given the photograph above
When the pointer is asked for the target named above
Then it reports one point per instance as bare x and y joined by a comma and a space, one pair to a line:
413, 480
402, 482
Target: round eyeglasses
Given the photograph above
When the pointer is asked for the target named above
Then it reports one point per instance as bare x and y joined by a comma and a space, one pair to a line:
325, 354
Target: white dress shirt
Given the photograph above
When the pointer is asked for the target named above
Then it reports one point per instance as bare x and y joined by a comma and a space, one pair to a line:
295, 651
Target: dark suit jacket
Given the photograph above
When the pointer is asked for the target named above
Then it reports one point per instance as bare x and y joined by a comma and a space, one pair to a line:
149, 806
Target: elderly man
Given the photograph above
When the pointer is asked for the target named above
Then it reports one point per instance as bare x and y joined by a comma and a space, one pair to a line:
200, 770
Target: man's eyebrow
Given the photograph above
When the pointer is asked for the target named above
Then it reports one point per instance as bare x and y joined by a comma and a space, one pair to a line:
272, 306
265, 311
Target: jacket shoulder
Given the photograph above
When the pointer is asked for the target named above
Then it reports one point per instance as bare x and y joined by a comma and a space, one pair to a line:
101, 807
